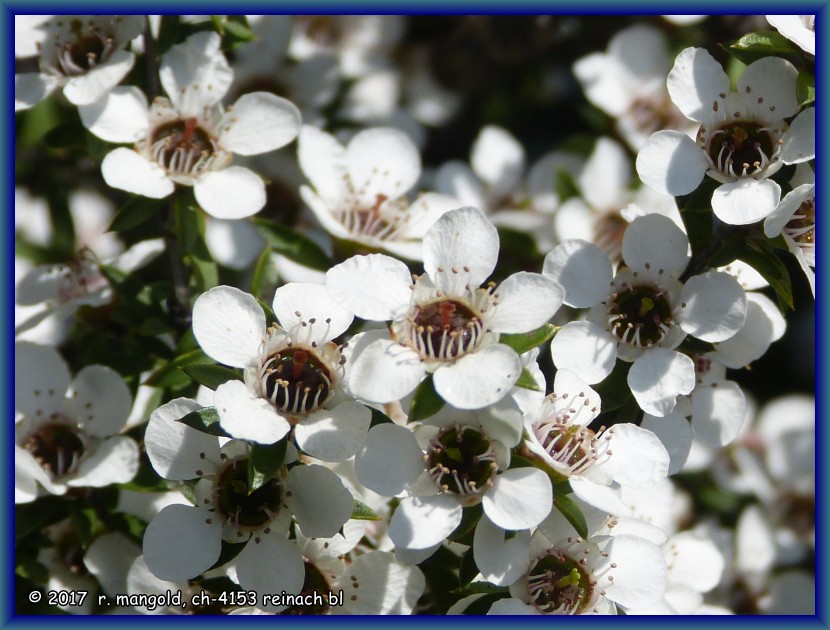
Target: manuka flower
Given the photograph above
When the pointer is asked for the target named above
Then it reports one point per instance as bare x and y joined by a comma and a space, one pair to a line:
292, 371
65, 433
744, 137
800, 29
84, 54
190, 138
643, 312
444, 324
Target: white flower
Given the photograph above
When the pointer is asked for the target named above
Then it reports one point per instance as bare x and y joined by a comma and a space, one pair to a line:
359, 191
190, 139
800, 29
84, 54
628, 82
643, 312
65, 429
557, 432
184, 541
743, 137
444, 324
464, 463
292, 372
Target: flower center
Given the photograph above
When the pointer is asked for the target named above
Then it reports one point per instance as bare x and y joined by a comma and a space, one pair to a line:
802, 227
640, 315
462, 460
741, 148
85, 51
445, 330
324, 30
182, 147
655, 112
315, 587
56, 447
81, 278
235, 503
558, 585
295, 381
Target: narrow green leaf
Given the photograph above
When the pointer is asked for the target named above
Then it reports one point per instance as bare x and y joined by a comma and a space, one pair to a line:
426, 402
768, 41
378, 417
29, 517
265, 274
363, 512
270, 317
293, 245
570, 510
65, 136
169, 375
219, 23
481, 606
523, 342
527, 381
479, 587
805, 88
205, 420
467, 570
760, 255
239, 31
210, 375
228, 553
614, 390
565, 185
135, 212
206, 272
264, 463
470, 516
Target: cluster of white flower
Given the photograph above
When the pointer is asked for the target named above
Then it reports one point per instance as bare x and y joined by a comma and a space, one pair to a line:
328, 378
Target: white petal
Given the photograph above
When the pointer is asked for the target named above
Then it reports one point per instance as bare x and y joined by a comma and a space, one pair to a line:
638, 457
31, 88
718, 412
125, 169
582, 269
479, 379
195, 73
462, 240
658, 377
640, 574
605, 177
335, 435
745, 201
754, 543
513, 607
25, 487
519, 499
108, 558
141, 580
500, 561
382, 161
323, 161
234, 244
384, 371
788, 206
793, 28
381, 585
246, 416
271, 564
27, 474
120, 116
421, 522
586, 349
670, 162
115, 460
41, 378
259, 122
498, 159
525, 302
694, 561
296, 304
40, 284
800, 139
175, 449
695, 82
675, 433
92, 85
712, 306
601, 78
234, 192
599, 496
457, 180
229, 325
319, 500
390, 460
656, 241
182, 542
374, 287
100, 400
773, 79
764, 324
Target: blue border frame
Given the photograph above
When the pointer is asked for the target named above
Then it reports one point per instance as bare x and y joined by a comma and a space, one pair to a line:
583, 7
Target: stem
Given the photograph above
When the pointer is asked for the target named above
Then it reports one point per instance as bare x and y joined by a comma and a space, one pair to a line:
179, 302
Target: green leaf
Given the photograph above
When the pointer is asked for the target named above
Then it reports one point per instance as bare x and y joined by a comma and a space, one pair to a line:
426, 402
293, 245
228, 553
210, 375
570, 510
764, 43
467, 570
470, 516
523, 342
135, 212
170, 376
264, 463
238, 30
205, 420
527, 381
805, 88
363, 512
33, 570
219, 23
614, 391
270, 317
205, 271
30, 517
65, 136
482, 605
565, 185
480, 587
760, 255
378, 417
265, 274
